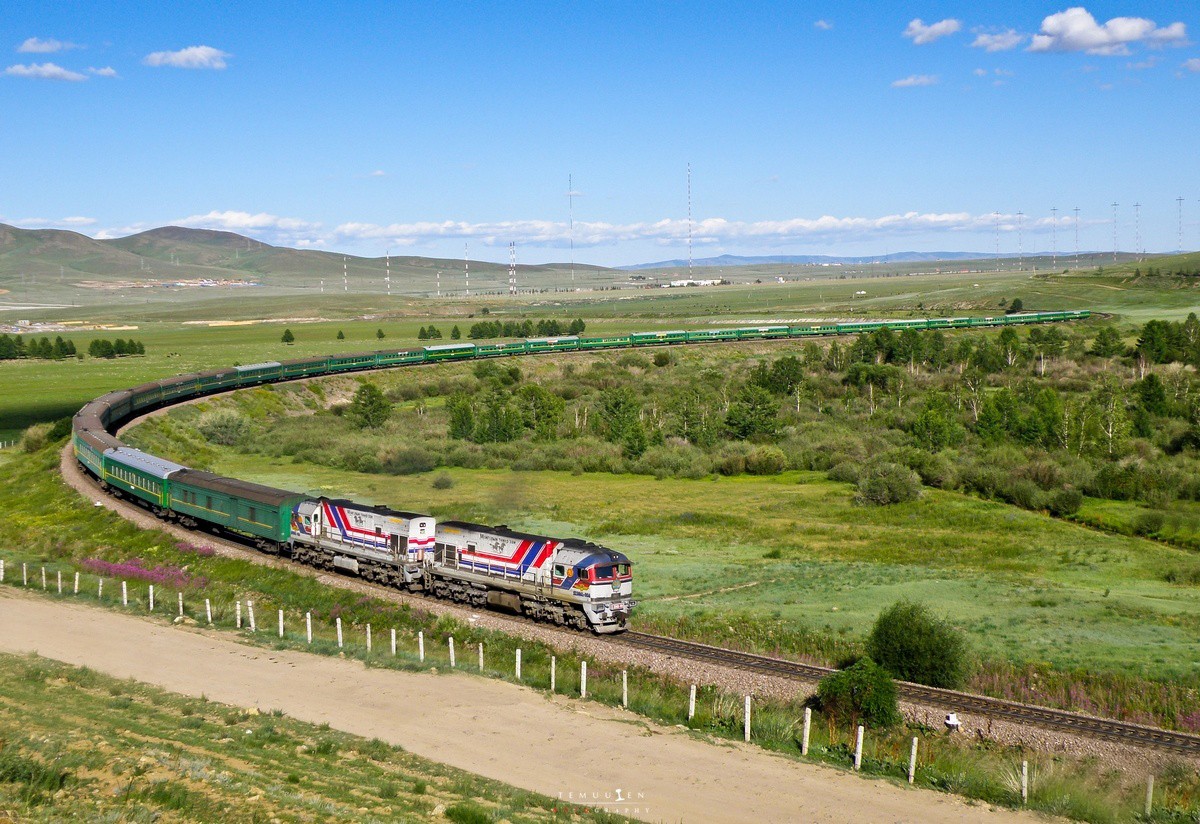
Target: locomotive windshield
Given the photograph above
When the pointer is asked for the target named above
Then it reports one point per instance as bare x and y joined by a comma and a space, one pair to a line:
610, 571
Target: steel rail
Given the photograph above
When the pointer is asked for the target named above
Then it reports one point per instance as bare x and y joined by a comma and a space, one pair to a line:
1106, 729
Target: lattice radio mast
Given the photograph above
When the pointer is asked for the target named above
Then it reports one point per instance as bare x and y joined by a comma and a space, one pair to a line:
689, 195
1021, 240
466, 271
1179, 200
1137, 230
387, 272
996, 227
571, 222
1054, 237
1076, 237
1115, 246
345, 276
512, 268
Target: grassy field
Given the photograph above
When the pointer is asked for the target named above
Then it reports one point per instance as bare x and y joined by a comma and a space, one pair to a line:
78, 745
759, 560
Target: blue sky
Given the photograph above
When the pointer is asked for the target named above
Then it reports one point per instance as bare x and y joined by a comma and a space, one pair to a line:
811, 128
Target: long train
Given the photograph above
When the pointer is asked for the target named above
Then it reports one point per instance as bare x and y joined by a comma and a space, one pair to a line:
570, 582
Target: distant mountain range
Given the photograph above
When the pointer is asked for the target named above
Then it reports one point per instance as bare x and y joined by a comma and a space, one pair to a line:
816, 260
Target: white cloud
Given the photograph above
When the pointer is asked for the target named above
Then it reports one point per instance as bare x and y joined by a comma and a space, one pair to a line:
107, 71
980, 72
44, 71
1192, 65
665, 232
378, 173
1076, 30
193, 57
915, 80
1149, 63
36, 45
999, 41
921, 34
237, 221
75, 222
823, 25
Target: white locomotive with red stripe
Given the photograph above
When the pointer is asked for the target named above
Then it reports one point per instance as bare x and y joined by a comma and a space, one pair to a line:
569, 582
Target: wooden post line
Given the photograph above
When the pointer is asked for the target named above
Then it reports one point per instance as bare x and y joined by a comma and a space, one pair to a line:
1024, 781
250, 614
481, 657
76, 579
339, 631
24, 575
1, 570
59, 575
858, 742
912, 761
746, 720
452, 652
43, 577
624, 689
807, 730
692, 702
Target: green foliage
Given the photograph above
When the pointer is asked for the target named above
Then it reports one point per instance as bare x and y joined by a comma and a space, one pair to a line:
462, 415
752, 412
225, 427
379, 335
938, 427
341, 335
619, 420
887, 483
498, 420
541, 411
369, 409
287, 336
1108, 343
455, 333
913, 645
1016, 306
863, 693
467, 812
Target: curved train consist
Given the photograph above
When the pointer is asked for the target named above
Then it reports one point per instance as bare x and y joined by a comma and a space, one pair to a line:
570, 582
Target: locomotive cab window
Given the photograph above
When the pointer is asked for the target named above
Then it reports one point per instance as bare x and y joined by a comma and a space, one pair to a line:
560, 571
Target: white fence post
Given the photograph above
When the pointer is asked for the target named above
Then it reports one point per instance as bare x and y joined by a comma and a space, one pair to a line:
368, 637
308, 626
625, 689
59, 574
180, 594
481, 657
1149, 795
99, 589
208, 610
858, 739
124, 594
280, 623
583, 679
518, 663
1024, 782
1, 570
692, 702
43, 577
239, 614
76, 581
152, 597
421, 645
912, 761
24, 574
746, 719
553, 672
393, 641
250, 614
807, 730
339, 631
452, 652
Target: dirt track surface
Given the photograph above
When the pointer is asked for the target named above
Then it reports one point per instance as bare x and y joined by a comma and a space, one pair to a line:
579, 751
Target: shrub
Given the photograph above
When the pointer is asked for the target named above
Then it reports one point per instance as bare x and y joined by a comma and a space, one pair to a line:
1064, 502
468, 813
224, 426
35, 437
913, 645
846, 472
766, 460
886, 484
1149, 523
662, 358
409, 461
443, 481
863, 693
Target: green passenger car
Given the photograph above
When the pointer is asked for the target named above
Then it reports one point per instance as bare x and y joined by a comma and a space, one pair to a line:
140, 474
251, 509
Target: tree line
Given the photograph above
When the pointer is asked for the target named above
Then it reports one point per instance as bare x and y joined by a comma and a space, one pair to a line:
545, 328
16, 347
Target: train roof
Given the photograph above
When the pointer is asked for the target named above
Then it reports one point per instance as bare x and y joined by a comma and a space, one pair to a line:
378, 510
444, 347
232, 486
137, 459
569, 543
265, 365
97, 438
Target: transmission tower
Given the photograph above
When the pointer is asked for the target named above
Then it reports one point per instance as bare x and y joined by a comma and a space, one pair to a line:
1054, 237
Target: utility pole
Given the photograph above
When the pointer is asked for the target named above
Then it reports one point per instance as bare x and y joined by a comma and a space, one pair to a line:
1076, 237
1054, 237
1115, 245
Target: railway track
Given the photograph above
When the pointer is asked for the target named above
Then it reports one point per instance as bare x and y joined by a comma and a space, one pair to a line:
1105, 729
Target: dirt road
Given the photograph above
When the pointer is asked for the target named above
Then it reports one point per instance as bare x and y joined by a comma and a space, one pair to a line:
579, 751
